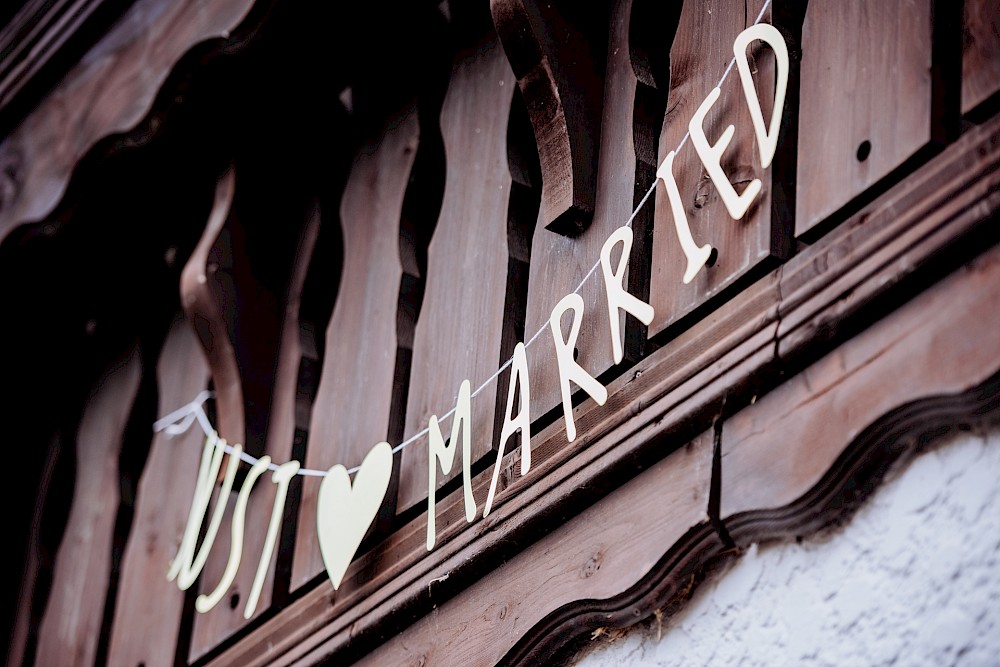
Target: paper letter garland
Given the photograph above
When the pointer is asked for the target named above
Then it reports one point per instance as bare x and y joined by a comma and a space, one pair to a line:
346, 511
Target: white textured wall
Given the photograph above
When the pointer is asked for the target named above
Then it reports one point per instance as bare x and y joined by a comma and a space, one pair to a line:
912, 579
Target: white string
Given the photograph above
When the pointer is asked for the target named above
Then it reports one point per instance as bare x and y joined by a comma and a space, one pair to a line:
181, 419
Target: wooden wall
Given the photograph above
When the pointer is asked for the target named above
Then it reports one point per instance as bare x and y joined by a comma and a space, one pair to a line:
333, 216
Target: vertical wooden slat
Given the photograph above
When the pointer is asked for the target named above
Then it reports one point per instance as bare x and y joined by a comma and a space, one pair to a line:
228, 616
559, 263
351, 410
865, 101
701, 51
148, 612
69, 629
458, 334
981, 53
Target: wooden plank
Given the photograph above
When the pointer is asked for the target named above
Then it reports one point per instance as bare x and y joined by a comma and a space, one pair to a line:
775, 452
352, 408
559, 264
149, 608
109, 91
865, 99
603, 551
458, 335
71, 625
701, 51
729, 356
227, 617
980, 53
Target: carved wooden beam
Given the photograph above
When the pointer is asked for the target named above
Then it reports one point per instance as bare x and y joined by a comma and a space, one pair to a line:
558, 53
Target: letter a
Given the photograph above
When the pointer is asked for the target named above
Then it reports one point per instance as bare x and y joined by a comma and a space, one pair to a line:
518, 378
569, 370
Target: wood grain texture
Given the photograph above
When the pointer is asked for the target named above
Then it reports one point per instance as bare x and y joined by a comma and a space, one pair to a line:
725, 358
351, 410
109, 91
866, 77
600, 552
700, 53
980, 53
943, 342
72, 621
149, 608
556, 50
559, 264
458, 334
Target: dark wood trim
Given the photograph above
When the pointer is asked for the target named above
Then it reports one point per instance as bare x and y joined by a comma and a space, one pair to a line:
901, 243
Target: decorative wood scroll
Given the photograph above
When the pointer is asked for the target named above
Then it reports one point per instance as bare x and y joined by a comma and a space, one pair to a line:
458, 335
981, 53
911, 235
557, 51
353, 402
878, 59
107, 92
700, 54
71, 626
148, 612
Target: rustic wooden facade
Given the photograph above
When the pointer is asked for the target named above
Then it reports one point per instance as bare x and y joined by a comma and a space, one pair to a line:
333, 215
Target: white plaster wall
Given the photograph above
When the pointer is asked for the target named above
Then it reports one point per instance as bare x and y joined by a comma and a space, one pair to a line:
912, 579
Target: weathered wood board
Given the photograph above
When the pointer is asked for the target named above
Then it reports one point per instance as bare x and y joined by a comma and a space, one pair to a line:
149, 608
865, 99
70, 628
458, 335
702, 49
351, 410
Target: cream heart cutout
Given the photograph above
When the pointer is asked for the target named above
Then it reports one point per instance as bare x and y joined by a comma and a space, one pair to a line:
345, 511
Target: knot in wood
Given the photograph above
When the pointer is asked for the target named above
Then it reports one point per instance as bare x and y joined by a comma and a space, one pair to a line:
592, 565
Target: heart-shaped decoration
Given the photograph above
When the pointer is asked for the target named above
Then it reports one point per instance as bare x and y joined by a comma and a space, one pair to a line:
345, 511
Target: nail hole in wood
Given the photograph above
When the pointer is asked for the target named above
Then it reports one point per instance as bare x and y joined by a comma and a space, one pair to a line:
864, 150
